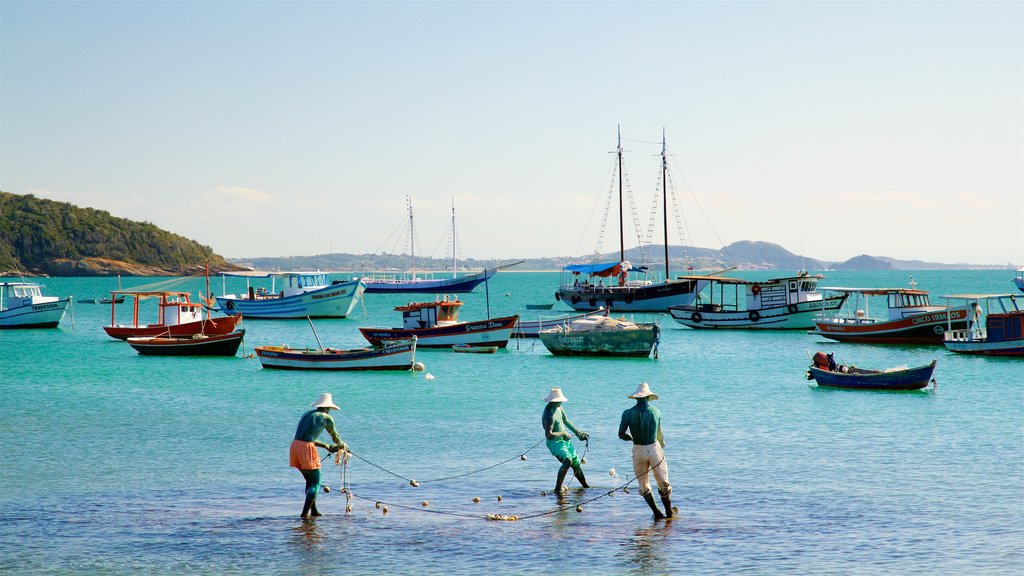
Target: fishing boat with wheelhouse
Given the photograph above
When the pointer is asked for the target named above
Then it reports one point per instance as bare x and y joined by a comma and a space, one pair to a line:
177, 316
909, 317
301, 295
436, 325
22, 305
788, 303
996, 327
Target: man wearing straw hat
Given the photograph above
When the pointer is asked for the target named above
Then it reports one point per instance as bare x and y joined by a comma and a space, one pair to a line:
559, 441
644, 424
303, 454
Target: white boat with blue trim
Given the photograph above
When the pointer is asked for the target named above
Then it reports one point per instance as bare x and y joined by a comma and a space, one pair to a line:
22, 305
301, 295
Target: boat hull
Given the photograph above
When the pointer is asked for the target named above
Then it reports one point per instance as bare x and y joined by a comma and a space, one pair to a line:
628, 343
458, 285
216, 345
799, 316
394, 356
984, 348
926, 328
335, 301
650, 298
493, 332
42, 315
210, 327
908, 379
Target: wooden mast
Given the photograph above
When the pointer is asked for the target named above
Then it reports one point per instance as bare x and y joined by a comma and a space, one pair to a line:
622, 237
664, 193
412, 237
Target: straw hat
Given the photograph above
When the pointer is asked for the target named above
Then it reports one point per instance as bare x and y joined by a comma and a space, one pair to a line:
325, 401
555, 396
643, 391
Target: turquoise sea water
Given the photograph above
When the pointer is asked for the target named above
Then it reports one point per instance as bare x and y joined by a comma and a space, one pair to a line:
116, 463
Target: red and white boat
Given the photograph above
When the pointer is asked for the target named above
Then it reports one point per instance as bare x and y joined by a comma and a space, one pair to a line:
997, 329
436, 325
177, 316
910, 318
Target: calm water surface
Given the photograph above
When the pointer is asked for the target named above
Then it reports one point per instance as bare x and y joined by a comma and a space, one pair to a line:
117, 463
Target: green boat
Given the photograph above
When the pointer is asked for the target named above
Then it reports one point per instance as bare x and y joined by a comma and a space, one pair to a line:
602, 336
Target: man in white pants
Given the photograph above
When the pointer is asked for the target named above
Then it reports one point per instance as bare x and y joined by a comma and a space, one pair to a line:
644, 424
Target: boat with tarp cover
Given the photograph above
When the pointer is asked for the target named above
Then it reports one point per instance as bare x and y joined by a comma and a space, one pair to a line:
602, 336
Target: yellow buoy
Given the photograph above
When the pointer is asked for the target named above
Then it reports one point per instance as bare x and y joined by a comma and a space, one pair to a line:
583, 460
579, 508
348, 508
385, 510
414, 483
523, 457
425, 504
377, 505
327, 489
476, 499
499, 497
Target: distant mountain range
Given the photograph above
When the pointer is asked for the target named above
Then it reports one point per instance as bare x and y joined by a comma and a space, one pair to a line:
39, 236
744, 255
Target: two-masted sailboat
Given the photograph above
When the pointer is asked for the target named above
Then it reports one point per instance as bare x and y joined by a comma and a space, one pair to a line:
591, 286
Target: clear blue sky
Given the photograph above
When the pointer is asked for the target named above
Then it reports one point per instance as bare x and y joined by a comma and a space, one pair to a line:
278, 128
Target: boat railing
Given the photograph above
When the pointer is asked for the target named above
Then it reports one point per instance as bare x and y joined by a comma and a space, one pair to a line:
966, 335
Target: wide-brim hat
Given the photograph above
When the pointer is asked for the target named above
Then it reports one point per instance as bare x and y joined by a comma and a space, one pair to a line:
643, 391
325, 401
555, 396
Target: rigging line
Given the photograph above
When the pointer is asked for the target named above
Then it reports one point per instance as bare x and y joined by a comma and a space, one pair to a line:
589, 500
609, 175
686, 184
658, 143
520, 455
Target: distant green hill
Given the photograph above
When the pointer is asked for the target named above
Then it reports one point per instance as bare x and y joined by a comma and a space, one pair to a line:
57, 238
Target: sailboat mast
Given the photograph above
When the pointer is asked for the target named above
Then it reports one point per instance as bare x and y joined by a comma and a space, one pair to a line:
664, 192
622, 235
412, 237
455, 258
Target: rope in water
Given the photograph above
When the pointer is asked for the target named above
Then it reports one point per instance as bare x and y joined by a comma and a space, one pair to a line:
410, 480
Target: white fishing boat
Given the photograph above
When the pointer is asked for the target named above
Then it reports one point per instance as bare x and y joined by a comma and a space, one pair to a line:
1018, 280
788, 303
22, 305
300, 295
390, 355
996, 327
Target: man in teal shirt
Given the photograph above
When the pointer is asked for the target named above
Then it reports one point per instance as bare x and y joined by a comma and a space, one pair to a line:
559, 441
303, 454
644, 424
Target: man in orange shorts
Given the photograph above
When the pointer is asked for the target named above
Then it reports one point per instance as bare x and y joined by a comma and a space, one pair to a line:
303, 454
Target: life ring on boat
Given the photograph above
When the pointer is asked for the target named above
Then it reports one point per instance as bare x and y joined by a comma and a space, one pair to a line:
754, 315
791, 308
755, 289
575, 298
229, 305
608, 304
558, 295
628, 299
695, 317
592, 301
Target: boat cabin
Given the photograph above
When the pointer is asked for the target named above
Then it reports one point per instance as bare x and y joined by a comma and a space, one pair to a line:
900, 303
996, 318
173, 308
291, 284
19, 294
442, 312
717, 293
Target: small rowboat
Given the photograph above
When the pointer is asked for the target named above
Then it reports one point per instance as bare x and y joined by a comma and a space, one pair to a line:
862, 379
391, 355
195, 345
474, 349
539, 306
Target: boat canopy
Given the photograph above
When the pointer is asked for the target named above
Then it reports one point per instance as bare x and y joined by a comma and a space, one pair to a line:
875, 291
603, 269
268, 274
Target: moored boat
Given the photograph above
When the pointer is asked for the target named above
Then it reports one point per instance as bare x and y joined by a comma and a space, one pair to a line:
470, 349
177, 316
436, 325
194, 345
391, 355
996, 327
22, 305
851, 377
910, 318
1018, 280
602, 336
302, 295
532, 328
788, 303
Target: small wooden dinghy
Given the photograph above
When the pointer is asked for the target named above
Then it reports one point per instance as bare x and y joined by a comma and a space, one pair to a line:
474, 349
863, 379
195, 345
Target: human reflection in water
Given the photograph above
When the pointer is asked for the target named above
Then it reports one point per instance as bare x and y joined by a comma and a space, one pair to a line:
650, 549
